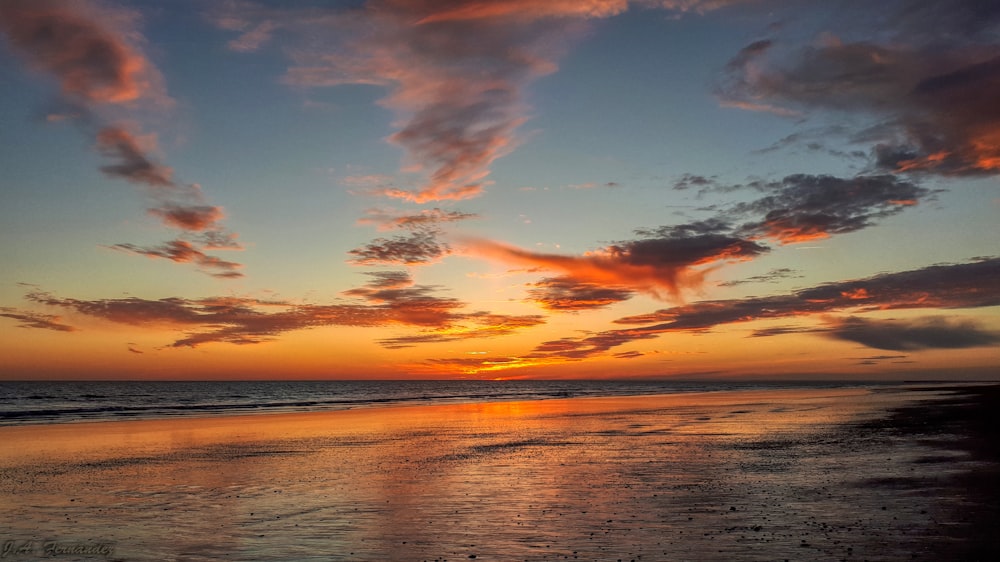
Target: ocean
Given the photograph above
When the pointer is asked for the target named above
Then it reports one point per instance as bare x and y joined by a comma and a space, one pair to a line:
44, 402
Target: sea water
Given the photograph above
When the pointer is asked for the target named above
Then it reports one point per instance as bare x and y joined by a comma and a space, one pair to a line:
34, 402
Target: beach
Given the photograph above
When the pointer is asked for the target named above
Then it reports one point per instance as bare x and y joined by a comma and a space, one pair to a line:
895, 473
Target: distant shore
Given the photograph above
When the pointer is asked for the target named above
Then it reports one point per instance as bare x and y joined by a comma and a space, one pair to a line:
855, 474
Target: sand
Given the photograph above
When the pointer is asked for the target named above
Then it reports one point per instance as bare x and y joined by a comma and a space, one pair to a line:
844, 474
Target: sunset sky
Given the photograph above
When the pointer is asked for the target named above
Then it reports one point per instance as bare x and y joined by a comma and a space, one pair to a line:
499, 189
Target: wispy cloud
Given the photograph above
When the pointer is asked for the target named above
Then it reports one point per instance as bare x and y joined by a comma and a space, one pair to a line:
183, 251
455, 82
132, 162
391, 219
423, 244
417, 248
455, 70
576, 349
94, 52
38, 320
390, 299
772, 276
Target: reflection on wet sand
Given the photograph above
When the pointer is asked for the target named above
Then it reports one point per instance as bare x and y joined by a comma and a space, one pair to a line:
756, 474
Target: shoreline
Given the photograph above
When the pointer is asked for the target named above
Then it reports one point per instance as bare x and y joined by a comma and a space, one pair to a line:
32, 442
211, 411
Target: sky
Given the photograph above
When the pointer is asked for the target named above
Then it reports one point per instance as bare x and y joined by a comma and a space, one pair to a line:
499, 189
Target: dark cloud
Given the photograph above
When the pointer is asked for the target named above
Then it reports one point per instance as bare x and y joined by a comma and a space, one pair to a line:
417, 248
772, 276
688, 230
567, 294
967, 285
389, 219
804, 207
913, 335
588, 346
928, 86
796, 208
389, 300
884, 358
689, 181
218, 240
382, 280
36, 320
780, 331
468, 326
684, 251
133, 164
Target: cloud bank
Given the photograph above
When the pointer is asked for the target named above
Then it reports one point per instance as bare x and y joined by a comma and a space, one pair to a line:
951, 286
913, 335
390, 299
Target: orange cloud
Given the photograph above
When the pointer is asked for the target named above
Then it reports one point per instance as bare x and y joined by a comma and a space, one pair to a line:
191, 217
659, 266
183, 251
527, 10
36, 320
75, 43
389, 299
930, 86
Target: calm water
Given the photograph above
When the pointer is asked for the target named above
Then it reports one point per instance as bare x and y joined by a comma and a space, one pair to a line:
60, 402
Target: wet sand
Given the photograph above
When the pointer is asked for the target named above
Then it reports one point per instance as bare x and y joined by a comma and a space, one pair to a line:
848, 474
